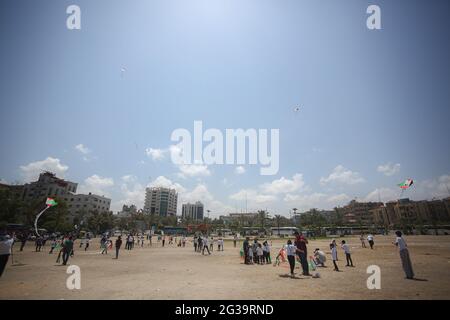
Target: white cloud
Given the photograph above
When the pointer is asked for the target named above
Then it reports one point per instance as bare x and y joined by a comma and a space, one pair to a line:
252, 197
164, 182
132, 192
338, 199
193, 170
96, 185
385, 194
202, 194
240, 170
389, 169
432, 188
284, 185
305, 201
31, 171
155, 154
83, 149
342, 175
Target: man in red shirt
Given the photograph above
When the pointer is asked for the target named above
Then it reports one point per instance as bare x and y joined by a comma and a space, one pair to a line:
300, 243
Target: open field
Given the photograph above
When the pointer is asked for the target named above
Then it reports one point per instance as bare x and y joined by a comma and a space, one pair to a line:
180, 273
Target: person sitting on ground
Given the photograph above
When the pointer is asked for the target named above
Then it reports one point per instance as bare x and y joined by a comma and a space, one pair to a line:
319, 258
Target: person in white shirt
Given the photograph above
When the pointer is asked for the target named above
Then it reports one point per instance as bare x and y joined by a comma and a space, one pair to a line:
370, 240
291, 251
220, 244
260, 254
6, 243
404, 255
250, 255
348, 255
205, 245
266, 249
334, 256
363, 241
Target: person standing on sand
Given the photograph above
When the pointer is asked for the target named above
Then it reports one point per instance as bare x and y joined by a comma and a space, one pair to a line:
363, 241
118, 245
235, 240
246, 248
404, 255
200, 243
23, 239
370, 240
302, 251
163, 240
334, 255
6, 243
348, 255
88, 240
205, 245
67, 250
291, 251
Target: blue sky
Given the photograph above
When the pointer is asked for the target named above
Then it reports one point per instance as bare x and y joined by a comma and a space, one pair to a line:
374, 103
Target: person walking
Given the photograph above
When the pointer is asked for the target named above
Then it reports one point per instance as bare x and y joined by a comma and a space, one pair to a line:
67, 250
370, 240
118, 245
205, 245
404, 255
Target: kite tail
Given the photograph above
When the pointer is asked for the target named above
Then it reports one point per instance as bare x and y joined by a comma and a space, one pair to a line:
37, 218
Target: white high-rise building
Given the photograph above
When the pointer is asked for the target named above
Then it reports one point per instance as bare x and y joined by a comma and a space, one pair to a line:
193, 211
161, 201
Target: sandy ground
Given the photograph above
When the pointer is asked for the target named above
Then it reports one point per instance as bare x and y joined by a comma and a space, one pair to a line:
180, 273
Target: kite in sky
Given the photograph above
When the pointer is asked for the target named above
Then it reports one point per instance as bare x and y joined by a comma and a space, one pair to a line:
407, 184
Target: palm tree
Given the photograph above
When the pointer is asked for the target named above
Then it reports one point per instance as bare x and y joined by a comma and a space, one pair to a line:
262, 215
278, 219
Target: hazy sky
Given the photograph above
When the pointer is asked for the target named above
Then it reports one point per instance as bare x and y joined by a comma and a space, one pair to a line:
374, 103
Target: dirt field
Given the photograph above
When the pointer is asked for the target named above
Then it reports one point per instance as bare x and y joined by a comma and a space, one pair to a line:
180, 273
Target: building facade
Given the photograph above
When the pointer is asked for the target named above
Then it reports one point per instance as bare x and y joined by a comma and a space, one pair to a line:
161, 201
358, 213
48, 185
193, 211
87, 203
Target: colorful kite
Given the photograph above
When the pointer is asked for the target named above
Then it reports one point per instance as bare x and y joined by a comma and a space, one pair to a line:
405, 185
49, 203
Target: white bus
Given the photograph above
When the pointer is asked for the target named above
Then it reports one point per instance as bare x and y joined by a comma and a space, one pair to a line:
284, 231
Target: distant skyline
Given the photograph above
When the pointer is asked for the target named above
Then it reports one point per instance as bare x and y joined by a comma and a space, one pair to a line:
98, 105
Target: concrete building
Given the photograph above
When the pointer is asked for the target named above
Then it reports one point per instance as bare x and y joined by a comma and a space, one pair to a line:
48, 185
127, 211
86, 203
358, 213
193, 211
161, 201
14, 191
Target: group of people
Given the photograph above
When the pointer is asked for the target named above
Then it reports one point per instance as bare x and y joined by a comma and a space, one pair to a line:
202, 243
256, 253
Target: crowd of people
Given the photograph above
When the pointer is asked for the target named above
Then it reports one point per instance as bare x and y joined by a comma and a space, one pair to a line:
202, 243
253, 252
